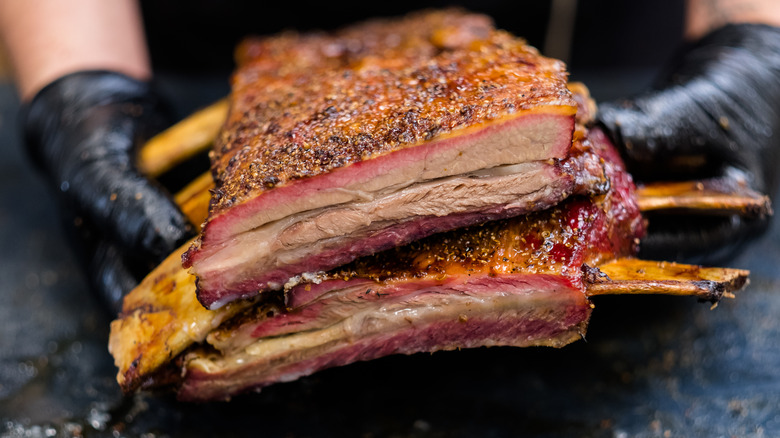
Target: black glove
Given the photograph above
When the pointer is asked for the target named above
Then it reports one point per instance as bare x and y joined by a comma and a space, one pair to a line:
82, 130
715, 112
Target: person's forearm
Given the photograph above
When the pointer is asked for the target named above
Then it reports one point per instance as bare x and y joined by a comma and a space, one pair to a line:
47, 39
704, 16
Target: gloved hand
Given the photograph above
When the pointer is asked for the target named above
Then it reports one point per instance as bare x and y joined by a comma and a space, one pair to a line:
715, 112
82, 130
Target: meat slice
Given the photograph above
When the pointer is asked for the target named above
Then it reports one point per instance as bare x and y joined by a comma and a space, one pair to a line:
437, 320
518, 282
342, 145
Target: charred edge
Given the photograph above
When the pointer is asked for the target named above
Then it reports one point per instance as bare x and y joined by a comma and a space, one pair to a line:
142, 309
165, 379
594, 275
760, 210
199, 294
131, 382
713, 291
187, 257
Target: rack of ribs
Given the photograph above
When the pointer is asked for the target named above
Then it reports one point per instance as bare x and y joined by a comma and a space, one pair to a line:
338, 146
399, 186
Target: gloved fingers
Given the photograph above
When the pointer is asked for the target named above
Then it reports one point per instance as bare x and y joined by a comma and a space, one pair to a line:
83, 130
707, 240
677, 131
715, 107
126, 207
100, 177
702, 238
111, 275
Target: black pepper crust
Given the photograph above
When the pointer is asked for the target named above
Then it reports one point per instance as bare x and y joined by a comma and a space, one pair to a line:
305, 104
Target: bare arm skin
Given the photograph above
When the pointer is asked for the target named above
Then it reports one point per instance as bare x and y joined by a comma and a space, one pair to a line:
82, 69
704, 16
47, 39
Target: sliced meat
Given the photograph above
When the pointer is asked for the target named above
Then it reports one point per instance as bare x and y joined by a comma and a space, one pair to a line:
269, 257
513, 282
441, 319
341, 145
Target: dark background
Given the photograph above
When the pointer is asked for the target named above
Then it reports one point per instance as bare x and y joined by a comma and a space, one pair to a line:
651, 366
200, 34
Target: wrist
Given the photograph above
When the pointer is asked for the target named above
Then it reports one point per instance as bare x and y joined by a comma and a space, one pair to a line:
704, 16
47, 39
48, 74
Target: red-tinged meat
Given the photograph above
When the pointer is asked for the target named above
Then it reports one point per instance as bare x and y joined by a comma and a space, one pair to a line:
341, 145
439, 320
516, 282
329, 238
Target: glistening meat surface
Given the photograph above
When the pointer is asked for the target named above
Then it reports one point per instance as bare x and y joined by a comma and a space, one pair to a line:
515, 282
361, 125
